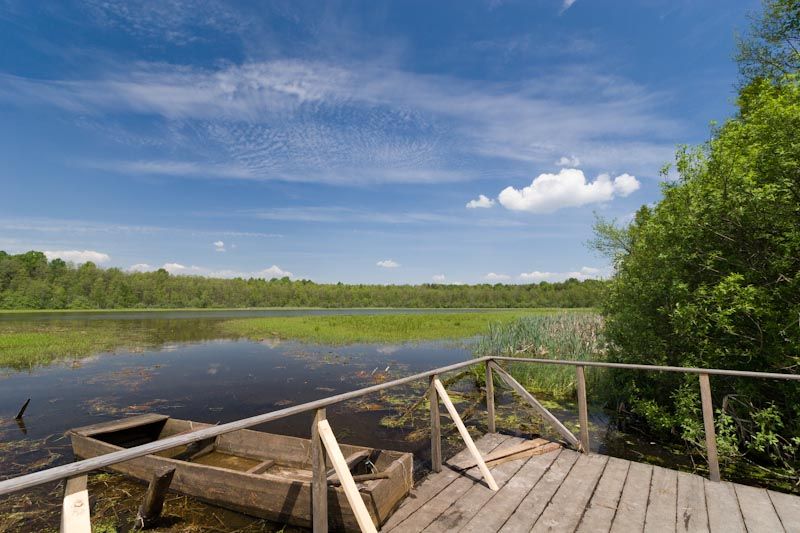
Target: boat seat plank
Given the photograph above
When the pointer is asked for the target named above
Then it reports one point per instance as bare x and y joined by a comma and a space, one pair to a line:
352, 460
261, 467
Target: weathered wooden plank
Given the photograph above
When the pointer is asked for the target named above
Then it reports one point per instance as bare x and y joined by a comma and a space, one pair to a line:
692, 513
662, 507
446, 498
500, 507
153, 503
119, 425
603, 505
583, 409
633, 502
788, 508
722, 505
543, 412
536, 500
261, 467
757, 510
708, 426
462, 429
319, 483
473, 500
564, 511
490, 423
75, 517
505, 451
437, 482
348, 485
436, 428
352, 461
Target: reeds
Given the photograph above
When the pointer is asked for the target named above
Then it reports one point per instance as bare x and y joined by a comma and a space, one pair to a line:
573, 336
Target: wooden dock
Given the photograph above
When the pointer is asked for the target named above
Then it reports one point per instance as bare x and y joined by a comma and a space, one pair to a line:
569, 491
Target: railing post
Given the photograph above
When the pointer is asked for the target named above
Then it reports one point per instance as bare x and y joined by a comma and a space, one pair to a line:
75, 517
583, 409
708, 424
490, 398
319, 480
436, 429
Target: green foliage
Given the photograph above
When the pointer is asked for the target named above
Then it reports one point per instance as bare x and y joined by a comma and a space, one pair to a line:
772, 48
710, 277
28, 281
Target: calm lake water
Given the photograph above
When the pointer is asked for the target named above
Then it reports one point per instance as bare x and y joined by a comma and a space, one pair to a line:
193, 375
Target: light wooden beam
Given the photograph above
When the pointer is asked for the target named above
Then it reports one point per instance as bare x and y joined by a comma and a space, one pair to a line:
708, 425
75, 515
527, 396
345, 478
462, 429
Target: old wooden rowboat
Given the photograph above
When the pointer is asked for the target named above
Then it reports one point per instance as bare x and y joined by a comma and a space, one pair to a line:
260, 474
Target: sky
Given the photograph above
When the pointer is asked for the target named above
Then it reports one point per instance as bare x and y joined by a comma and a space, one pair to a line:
363, 141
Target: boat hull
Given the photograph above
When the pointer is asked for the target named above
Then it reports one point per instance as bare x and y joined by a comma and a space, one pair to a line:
282, 498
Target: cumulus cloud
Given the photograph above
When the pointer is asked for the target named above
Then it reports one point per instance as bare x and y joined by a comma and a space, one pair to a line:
482, 202
219, 246
439, 278
273, 272
582, 274
268, 273
78, 256
140, 267
568, 161
388, 263
493, 276
568, 188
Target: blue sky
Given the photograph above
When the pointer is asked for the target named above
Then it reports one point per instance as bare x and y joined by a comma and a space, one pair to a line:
370, 142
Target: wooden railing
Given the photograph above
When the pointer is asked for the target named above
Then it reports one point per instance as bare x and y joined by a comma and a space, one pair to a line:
75, 510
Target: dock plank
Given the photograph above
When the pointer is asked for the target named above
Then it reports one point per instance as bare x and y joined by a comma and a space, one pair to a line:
788, 509
722, 505
633, 502
448, 497
692, 511
565, 510
539, 496
475, 498
437, 482
603, 505
495, 513
663, 502
757, 510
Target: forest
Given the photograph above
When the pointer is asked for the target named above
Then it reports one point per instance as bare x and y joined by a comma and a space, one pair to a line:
30, 281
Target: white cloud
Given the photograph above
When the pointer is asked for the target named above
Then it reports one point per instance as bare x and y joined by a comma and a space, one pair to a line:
482, 202
78, 256
439, 278
492, 276
268, 273
568, 161
568, 188
388, 263
566, 4
140, 267
582, 274
219, 246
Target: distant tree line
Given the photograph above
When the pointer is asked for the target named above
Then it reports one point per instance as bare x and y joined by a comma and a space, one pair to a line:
30, 281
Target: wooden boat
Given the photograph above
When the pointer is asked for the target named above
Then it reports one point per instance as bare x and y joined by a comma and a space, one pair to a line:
256, 473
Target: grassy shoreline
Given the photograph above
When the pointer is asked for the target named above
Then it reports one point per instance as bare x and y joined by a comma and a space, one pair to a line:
289, 308
25, 345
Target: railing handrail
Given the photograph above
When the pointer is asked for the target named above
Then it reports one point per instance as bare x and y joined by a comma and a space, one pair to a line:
58, 473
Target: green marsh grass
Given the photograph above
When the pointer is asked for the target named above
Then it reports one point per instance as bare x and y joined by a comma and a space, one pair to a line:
573, 336
349, 329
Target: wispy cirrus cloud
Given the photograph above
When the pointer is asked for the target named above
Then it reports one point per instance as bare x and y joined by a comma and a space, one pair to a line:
301, 120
